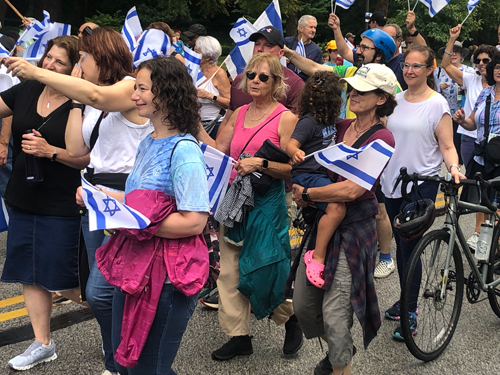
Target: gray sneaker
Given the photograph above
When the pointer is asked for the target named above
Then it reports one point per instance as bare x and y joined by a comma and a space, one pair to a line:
34, 355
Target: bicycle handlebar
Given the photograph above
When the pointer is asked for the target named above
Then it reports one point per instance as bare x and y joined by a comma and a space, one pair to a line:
478, 181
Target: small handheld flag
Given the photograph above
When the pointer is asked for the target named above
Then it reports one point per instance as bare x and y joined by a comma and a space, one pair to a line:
108, 213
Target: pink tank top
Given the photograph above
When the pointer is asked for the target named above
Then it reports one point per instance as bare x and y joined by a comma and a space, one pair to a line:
242, 134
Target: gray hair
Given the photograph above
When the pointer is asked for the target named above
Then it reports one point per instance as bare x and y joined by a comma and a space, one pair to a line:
209, 47
399, 32
303, 20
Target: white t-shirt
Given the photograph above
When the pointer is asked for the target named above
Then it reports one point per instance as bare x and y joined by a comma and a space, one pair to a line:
413, 126
116, 146
473, 84
6, 80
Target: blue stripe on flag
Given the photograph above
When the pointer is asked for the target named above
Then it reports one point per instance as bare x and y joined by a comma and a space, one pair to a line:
132, 14
274, 17
242, 22
203, 147
348, 150
140, 220
243, 43
238, 60
220, 174
382, 149
350, 169
100, 218
130, 39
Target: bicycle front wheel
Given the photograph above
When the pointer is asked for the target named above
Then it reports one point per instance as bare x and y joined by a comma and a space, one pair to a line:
438, 312
493, 273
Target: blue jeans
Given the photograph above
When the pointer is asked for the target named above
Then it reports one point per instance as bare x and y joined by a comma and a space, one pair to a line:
404, 248
99, 292
467, 149
170, 322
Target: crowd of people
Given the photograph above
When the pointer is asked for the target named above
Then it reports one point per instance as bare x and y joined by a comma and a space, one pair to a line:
136, 134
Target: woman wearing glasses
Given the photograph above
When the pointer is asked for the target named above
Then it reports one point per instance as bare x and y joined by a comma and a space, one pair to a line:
248, 128
473, 84
422, 128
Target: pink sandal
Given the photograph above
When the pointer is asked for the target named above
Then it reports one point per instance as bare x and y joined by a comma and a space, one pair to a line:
314, 270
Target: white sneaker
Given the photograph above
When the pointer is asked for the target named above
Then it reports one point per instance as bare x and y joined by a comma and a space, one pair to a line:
472, 241
34, 355
384, 269
107, 372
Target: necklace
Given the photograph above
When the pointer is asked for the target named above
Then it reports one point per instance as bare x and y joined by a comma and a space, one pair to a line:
261, 117
48, 102
358, 133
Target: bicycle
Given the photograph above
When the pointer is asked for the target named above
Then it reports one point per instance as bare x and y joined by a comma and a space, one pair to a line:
436, 263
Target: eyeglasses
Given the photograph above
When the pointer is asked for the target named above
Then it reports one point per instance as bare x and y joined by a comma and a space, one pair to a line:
485, 61
414, 67
362, 47
263, 77
497, 67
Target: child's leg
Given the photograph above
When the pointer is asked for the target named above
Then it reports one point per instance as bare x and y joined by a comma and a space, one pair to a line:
328, 224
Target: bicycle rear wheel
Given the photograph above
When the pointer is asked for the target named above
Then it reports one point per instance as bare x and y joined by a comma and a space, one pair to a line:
493, 273
438, 316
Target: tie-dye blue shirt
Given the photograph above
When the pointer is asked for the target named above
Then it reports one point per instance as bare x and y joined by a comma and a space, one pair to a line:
182, 176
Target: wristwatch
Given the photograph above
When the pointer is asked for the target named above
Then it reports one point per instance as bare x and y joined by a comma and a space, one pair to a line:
214, 99
77, 105
54, 155
264, 164
305, 195
415, 33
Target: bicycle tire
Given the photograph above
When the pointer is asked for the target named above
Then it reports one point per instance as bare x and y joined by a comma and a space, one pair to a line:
493, 272
437, 317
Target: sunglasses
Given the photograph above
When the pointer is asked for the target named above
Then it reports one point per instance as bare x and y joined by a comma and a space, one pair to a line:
263, 77
360, 93
485, 61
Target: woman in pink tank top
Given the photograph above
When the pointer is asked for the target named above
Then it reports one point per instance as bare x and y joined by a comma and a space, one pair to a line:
266, 242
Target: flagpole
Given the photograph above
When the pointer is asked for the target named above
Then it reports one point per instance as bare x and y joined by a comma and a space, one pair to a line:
409, 6
335, 9
14, 9
461, 23
204, 84
414, 6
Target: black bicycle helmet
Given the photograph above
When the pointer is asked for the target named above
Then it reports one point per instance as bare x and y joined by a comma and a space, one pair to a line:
415, 219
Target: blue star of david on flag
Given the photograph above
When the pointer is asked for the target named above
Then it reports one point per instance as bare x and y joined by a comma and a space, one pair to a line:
354, 155
242, 33
108, 201
210, 171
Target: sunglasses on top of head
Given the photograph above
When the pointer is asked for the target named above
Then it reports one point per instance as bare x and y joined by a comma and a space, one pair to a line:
263, 77
485, 61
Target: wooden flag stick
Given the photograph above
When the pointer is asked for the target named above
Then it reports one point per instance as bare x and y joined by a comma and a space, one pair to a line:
14, 9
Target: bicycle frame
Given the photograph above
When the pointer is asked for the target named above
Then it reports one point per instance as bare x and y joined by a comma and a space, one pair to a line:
453, 228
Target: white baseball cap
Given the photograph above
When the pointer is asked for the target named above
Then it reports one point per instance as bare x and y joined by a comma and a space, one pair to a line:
370, 77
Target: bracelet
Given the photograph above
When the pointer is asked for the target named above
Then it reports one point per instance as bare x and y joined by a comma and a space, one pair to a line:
449, 54
454, 165
293, 56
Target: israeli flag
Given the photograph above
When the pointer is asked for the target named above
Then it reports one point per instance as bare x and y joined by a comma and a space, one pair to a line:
131, 29
301, 50
362, 166
35, 29
3, 51
36, 50
152, 43
241, 54
434, 5
472, 4
192, 61
344, 3
108, 213
4, 216
243, 51
219, 167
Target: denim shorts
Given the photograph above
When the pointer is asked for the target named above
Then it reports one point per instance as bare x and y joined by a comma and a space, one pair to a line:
42, 250
310, 180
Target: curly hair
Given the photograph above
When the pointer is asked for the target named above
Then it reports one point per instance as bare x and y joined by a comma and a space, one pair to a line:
110, 52
66, 42
174, 94
490, 68
484, 48
322, 97
276, 70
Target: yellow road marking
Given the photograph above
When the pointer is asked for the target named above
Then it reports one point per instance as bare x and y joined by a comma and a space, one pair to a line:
13, 314
11, 301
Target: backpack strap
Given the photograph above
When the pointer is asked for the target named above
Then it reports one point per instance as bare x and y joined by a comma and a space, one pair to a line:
95, 131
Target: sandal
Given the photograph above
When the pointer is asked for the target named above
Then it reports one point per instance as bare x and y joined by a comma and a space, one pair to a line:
314, 270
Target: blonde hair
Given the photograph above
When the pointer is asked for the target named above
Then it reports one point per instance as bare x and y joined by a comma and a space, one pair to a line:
276, 70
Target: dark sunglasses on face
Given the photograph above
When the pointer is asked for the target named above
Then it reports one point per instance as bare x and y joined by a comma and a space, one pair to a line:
263, 77
485, 61
360, 93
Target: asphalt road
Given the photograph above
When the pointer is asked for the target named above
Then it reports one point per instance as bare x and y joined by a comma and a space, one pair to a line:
475, 348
